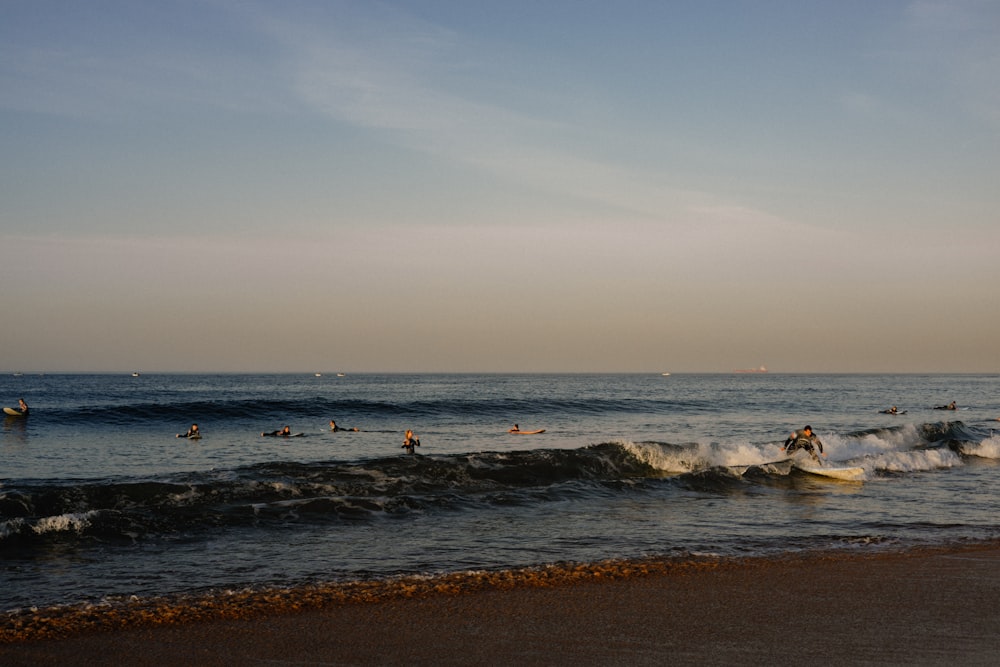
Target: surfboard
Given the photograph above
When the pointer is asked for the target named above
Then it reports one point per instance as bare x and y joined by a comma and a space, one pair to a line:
541, 430
13, 412
851, 474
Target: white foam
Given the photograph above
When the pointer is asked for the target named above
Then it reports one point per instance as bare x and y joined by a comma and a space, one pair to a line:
658, 458
64, 522
913, 461
11, 527
701, 455
987, 449
902, 439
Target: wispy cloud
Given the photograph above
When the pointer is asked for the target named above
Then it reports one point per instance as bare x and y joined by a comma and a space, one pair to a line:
419, 84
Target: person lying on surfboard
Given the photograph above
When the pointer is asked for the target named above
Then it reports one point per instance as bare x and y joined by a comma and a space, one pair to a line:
517, 429
805, 439
192, 432
285, 432
335, 428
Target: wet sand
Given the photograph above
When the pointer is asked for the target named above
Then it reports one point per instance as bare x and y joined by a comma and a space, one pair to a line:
929, 608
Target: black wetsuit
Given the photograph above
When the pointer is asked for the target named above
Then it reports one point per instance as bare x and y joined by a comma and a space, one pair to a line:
799, 440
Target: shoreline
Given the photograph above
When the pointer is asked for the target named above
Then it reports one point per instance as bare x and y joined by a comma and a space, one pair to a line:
65, 621
919, 606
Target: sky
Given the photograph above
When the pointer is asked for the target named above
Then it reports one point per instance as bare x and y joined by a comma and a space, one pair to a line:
525, 186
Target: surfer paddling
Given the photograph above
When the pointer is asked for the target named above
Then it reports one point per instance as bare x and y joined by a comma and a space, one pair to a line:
283, 433
804, 438
335, 428
193, 433
517, 430
950, 406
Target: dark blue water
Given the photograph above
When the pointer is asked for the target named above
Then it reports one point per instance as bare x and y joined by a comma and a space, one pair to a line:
98, 498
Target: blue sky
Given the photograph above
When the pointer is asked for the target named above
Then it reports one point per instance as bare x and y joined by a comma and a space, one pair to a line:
520, 186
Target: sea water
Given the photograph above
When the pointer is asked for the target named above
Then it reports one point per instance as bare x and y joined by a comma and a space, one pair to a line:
99, 500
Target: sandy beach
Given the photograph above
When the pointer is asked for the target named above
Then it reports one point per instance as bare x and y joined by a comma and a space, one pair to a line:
933, 607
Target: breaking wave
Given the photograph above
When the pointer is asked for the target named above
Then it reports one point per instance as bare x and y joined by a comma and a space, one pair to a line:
130, 509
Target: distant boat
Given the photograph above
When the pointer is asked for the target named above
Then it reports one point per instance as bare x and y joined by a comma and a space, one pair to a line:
319, 375
761, 369
18, 374
340, 375
664, 374
135, 374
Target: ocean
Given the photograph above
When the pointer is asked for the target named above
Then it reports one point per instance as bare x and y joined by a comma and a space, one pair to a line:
99, 501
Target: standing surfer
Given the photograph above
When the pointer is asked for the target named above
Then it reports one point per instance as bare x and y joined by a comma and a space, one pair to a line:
805, 439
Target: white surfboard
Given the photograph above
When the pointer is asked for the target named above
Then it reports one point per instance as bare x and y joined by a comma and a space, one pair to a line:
851, 474
13, 412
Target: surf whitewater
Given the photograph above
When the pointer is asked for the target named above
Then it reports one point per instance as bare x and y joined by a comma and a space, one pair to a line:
100, 501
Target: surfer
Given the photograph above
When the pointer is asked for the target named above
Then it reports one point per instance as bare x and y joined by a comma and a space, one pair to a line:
335, 428
192, 432
410, 442
285, 432
891, 411
20, 411
805, 439
517, 431
950, 406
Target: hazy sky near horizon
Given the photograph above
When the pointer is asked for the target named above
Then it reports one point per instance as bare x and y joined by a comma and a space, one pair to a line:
216, 185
